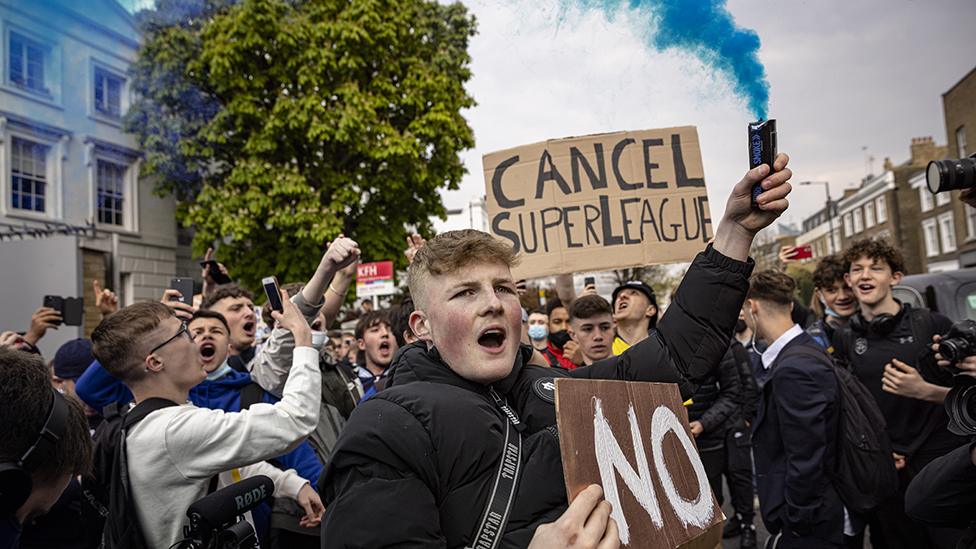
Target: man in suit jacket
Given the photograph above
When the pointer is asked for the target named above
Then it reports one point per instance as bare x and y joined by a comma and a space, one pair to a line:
794, 438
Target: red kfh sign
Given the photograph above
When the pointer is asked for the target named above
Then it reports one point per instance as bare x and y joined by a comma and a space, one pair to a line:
374, 279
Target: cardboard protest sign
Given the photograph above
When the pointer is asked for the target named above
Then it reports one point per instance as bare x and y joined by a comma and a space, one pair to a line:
600, 202
633, 440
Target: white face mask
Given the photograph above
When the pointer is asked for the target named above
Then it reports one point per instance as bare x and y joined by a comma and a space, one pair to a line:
220, 372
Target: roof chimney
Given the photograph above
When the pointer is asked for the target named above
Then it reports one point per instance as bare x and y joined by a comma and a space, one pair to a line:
924, 150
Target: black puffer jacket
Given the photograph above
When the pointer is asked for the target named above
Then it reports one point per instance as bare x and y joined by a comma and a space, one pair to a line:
415, 464
716, 404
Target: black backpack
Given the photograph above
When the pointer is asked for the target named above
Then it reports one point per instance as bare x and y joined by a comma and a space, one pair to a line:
107, 488
865, 473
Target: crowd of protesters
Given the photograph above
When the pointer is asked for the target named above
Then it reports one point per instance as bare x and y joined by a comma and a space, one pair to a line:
391, 434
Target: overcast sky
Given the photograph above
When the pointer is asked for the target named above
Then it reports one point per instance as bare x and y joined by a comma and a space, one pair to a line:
843, 75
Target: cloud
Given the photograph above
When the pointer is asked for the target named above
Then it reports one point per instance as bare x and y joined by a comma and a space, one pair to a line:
842, 75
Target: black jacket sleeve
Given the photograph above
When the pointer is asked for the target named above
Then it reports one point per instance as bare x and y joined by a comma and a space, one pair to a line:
802, 396
694, 333
376, 489
944, 492
728, 396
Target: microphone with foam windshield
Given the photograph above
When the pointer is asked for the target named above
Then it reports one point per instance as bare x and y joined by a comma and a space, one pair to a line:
218, 511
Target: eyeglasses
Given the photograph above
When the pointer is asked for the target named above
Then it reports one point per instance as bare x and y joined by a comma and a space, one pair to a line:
183, 330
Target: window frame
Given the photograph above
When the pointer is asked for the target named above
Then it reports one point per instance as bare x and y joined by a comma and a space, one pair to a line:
36, 133
27, 42
98, 151
848, 225
869, 214
961, 144
942, 220
931, 228
881, 209
99, 69
926, 202
970, 221
858, 221
43, 178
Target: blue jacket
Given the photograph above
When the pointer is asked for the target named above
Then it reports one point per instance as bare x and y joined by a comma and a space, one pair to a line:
98, 389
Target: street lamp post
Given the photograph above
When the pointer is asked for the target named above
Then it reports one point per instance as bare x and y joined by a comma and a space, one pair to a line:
830, 215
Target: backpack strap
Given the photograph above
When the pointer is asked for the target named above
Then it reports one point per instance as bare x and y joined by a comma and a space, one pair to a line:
143, 409
252, 393
922, 327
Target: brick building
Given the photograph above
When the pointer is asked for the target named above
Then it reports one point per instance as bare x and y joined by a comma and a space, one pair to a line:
887, 206
949, 225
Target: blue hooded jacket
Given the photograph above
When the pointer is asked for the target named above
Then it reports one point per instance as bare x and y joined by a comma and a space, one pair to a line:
98, 388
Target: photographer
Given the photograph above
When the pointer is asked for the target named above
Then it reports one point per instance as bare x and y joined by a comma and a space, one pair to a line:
944, 492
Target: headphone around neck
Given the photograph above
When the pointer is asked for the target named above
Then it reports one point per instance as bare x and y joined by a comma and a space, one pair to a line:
881, 325
15, 477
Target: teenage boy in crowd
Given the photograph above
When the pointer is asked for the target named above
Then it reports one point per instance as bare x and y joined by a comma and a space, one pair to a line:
175, 450
886, 345
539, 330
377, 346
324, 292
223, 389
591, 327
795, 442
31, 411
635, 313
560, 349
425, 452
835, 298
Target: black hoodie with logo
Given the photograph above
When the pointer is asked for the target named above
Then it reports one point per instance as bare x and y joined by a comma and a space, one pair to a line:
415, 464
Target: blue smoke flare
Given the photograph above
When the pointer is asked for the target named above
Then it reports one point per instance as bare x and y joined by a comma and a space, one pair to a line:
706, 29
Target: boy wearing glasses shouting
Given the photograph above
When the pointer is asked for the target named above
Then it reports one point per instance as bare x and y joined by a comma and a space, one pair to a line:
175, 450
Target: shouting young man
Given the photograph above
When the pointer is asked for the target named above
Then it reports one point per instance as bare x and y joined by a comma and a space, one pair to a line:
424, 453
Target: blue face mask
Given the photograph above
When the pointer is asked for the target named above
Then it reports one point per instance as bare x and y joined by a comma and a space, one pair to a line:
220, 372
538, 332
832, 313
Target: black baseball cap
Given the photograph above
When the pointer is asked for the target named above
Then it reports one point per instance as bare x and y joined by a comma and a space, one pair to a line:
638, 285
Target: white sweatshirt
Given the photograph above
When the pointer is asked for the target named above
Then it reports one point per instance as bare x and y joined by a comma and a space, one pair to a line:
173, 452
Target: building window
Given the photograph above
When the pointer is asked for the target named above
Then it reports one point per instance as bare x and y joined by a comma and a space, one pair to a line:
925, 197
26, 63
108, 93
110, 198
947, 229
28, 175
970, 221
961, 144
931, 238
942, 199
858, 221
869, 215
848, 231
881, 209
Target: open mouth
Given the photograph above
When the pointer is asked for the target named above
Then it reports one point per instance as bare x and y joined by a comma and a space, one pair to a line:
207, 351
492, 339
621, 306
385, 347
249, 328
865, 287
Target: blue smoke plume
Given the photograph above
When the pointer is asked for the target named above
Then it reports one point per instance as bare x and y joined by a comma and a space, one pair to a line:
706, 29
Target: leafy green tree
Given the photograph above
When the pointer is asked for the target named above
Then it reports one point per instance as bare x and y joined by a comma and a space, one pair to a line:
279, 124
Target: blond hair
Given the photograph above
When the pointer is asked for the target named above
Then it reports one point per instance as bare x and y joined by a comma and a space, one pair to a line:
451, 251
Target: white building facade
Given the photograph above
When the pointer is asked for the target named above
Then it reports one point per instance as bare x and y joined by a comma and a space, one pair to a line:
73, 207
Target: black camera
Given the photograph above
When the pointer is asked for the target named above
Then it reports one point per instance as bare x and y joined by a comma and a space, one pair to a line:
959, 342
949, 175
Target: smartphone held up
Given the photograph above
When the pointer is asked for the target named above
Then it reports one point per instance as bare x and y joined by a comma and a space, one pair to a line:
271, 290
